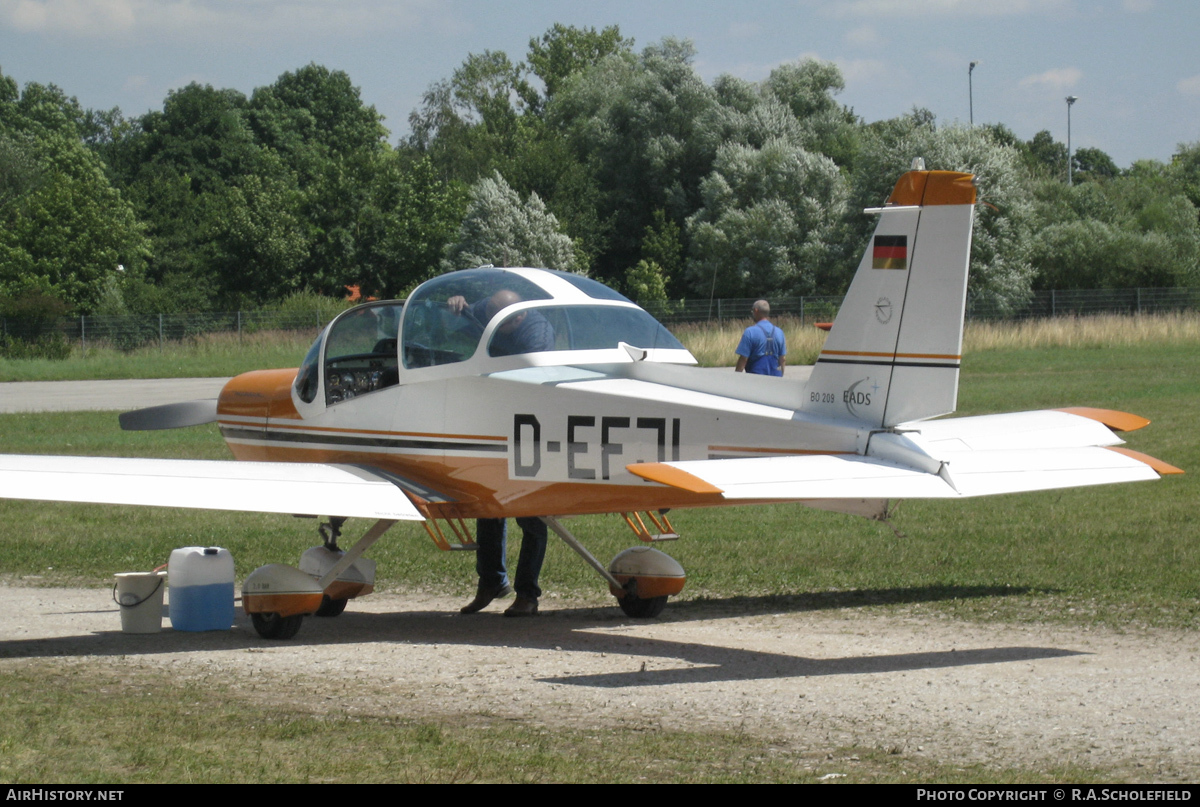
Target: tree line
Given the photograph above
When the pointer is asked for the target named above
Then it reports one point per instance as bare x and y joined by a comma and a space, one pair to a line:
588, 155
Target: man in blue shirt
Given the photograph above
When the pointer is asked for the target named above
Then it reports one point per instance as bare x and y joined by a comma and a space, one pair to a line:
763, 349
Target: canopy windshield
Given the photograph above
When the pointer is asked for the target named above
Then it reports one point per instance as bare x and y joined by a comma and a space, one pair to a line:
446, 316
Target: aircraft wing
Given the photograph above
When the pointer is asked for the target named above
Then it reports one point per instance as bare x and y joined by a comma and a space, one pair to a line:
976, 456
260, 487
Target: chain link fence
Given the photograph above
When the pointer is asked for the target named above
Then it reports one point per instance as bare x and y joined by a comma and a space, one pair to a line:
131, 332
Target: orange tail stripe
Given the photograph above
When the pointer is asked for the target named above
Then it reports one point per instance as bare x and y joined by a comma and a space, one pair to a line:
1158, 465
1121, 421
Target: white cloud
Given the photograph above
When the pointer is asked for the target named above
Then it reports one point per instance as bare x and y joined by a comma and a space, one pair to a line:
1059, 78
857, 71
745, 30
863, 36
926, 8
104, 18
135, 83
1189, 86
70, 16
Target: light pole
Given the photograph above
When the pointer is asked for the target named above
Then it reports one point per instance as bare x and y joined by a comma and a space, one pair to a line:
971, 90
1071, 99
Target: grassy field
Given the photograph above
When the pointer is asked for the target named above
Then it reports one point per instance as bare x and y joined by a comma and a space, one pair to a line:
1125, 556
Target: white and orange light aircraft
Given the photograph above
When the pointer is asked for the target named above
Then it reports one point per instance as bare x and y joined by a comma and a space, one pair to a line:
423, 411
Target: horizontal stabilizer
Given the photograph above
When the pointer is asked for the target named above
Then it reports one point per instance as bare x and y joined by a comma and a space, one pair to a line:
257, 487
170, 416
843, 476
1039, 429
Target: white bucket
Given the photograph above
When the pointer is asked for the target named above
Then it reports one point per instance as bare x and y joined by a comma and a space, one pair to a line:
140, 595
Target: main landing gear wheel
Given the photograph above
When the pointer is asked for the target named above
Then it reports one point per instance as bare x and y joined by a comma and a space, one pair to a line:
637, 608
331, 607
274, 626
647, 578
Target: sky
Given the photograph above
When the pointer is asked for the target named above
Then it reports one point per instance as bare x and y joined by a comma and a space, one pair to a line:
1133, 64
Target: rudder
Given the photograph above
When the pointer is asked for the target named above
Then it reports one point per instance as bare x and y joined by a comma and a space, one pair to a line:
894, 350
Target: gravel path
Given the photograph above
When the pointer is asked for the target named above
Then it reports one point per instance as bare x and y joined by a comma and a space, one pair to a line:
958, 693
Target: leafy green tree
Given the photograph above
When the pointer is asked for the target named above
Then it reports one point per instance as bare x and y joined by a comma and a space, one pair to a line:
221, 210
1133, 230
564, 50
765, 225
63, 227
808, 89
20, 173
335, 147
646, 283
662, 247
314, 114
1046, 155
1184, 171
502, 230
640, 123
409, 219
1001, 274
474, 122
1093, 164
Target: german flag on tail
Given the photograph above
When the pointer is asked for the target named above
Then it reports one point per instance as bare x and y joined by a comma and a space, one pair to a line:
890, 252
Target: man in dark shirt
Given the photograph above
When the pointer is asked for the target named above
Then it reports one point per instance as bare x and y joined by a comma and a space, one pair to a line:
526, 332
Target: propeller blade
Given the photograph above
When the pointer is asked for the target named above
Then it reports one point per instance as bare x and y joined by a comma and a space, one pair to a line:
170, 416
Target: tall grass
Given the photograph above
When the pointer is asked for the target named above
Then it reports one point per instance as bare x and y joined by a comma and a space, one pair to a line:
712, 343
205, 355
1101, 330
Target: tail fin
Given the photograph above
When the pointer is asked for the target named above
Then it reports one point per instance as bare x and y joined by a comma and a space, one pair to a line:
893, 352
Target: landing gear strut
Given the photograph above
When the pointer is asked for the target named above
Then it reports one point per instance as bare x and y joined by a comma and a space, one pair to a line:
640, 578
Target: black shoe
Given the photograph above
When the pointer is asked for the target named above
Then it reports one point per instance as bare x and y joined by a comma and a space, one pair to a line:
484, 596
522, 606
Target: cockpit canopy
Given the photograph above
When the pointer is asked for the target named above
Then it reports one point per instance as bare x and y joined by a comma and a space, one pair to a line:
487, 318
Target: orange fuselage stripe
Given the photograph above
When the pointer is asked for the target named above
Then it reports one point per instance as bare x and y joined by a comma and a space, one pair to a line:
482, 487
